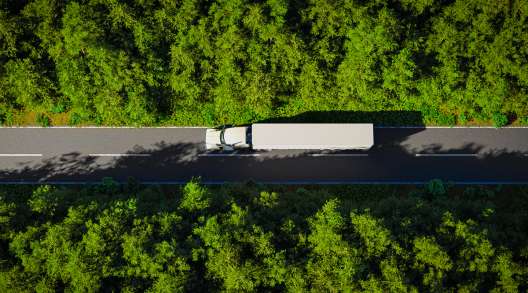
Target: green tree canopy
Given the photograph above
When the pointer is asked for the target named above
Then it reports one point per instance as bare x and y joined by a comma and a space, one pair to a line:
195, 62
262, 238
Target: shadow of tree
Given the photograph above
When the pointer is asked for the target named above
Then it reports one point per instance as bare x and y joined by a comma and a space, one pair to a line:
179, 163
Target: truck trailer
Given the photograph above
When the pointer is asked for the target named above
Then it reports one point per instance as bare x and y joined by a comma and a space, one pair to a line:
289, 136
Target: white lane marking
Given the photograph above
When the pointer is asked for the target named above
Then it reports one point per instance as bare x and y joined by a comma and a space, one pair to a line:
446, 155
119, 155
20, 155
228, 155
338, 155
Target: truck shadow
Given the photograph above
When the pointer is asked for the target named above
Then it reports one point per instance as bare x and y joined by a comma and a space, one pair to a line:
378, 118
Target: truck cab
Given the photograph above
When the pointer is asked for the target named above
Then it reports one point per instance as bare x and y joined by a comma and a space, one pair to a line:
228, 138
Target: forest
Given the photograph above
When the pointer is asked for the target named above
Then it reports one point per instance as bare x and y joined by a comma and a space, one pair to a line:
249, 237
203, 62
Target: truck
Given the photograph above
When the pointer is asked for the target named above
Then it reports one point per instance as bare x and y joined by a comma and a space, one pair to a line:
288, 136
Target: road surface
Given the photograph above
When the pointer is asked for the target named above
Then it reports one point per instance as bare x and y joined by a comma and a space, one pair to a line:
175, 155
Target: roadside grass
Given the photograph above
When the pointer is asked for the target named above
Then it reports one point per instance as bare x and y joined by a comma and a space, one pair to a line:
34, 118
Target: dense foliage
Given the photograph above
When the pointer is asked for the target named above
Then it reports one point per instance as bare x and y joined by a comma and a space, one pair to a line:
260, 238
236, 61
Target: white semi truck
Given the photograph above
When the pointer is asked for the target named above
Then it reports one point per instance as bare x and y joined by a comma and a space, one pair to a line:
286, 136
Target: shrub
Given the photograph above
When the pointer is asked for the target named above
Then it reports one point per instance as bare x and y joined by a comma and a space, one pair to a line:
499, 120
58, 108
108, 185
436, 187
43, 120
462, 118
75, 119
446, 119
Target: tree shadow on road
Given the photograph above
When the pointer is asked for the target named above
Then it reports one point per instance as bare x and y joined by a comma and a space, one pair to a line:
179, 163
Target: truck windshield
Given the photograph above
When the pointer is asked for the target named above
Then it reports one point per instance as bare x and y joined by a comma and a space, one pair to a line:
248, 135
222, 139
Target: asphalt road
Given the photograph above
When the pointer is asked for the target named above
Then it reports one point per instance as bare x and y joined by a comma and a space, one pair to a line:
175, 155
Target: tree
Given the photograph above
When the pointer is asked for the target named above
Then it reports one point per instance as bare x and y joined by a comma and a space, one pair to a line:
333, 263
261, 238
